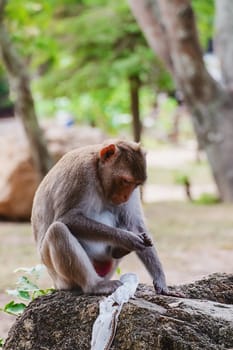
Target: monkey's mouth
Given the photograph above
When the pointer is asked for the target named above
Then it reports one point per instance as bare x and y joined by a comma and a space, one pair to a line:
118, 200
102, 267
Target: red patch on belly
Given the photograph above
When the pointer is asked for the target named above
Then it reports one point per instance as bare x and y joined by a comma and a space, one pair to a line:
102, 267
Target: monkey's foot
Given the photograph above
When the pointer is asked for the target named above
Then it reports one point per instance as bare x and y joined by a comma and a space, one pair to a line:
163, 290
106, 287
173, 294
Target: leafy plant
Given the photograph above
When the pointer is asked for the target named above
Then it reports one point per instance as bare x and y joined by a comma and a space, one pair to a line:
183, 179
26, 290
207, 199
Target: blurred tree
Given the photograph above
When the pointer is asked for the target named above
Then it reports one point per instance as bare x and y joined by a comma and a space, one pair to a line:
170, 28
100, 56
24, 105
6, 105
84, 53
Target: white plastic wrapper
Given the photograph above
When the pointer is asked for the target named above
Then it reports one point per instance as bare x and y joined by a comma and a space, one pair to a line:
104, 328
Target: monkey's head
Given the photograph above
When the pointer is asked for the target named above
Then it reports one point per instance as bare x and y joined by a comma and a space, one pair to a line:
122, 167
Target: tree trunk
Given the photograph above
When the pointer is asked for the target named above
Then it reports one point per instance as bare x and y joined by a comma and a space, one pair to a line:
64, 320
134, 83
24, 104
223, 39
210, 105
145, 12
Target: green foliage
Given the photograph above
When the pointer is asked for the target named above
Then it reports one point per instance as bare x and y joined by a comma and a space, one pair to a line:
26, 290
167, 108
95, 68
207, 199
4, 93
84, 51
204, 11
181, 178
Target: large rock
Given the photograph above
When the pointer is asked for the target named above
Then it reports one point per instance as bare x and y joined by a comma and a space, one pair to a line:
201, 320
18, 178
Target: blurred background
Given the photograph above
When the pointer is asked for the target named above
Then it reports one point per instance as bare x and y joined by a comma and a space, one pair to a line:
77, 72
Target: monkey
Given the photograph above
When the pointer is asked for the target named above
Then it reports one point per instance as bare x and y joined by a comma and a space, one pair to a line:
87, 216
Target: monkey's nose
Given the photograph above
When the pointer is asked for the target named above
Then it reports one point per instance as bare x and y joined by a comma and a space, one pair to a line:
120, 199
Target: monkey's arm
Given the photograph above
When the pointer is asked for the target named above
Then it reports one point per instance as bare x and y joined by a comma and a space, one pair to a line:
85, 228
153, 265
149, 255
150, 259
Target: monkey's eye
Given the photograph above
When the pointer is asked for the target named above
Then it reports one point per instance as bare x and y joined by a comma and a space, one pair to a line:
125, 181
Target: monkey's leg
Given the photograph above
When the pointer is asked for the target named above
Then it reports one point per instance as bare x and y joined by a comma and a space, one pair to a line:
68, 263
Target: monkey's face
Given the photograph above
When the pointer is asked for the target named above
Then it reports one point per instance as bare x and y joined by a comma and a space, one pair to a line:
122, 188
122, 168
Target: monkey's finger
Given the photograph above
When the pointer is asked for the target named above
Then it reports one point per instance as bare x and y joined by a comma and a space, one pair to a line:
167, 292
173, 294
133, 243
140, 244
146, 240
160, 287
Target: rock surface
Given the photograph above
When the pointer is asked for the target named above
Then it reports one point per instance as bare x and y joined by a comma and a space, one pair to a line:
201, 320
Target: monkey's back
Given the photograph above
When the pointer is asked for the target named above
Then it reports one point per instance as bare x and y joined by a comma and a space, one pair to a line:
63, 187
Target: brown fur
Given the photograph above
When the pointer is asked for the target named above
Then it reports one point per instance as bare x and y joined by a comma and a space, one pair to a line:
88, 209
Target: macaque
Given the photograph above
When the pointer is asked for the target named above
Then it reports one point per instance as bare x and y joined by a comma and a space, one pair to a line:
87, 215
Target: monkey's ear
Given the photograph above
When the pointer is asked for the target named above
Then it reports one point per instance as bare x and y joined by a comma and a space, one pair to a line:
107, 152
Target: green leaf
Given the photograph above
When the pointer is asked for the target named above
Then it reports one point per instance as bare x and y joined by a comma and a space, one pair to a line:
118, 271
41, 292
1, 342
19, 293
14, 308
23, 294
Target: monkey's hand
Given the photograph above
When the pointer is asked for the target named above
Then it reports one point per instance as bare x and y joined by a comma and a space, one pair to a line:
136, 242
160, 285
161, 288
118, 252
147, 240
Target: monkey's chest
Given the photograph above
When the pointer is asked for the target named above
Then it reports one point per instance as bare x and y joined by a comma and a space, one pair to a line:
96, 250
99, 250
